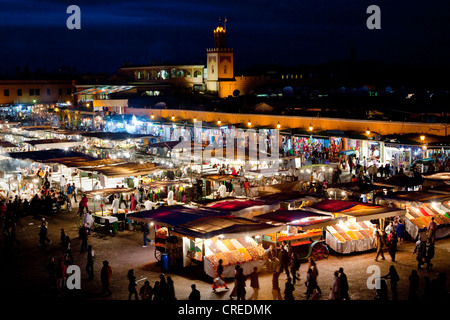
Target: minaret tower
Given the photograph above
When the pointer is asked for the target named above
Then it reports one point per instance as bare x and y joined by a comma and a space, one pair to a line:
220, 60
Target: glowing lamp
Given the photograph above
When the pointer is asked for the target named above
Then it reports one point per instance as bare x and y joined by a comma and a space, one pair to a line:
310, 127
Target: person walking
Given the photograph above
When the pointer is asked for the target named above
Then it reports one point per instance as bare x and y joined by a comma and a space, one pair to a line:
172, 296
90, 262
51, 269
83, 204
283, 257
276, 292
115, 205
83, 236
400, 229
379, 244
289, 290
146, 231
413, 286
254, 283
74, 192
68, 249
429, 253
393, 276
310, 283
336, 287
132, 285
157, 292
315, 273
163, 287
105, 275
420, 251
392, 244
234, 291
88, 221
240, 283
218, 281
343, 294
195, 294
43, 234
431, 230
146, 291
294, 267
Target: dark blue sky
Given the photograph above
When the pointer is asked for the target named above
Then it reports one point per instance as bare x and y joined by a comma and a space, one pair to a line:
287, 32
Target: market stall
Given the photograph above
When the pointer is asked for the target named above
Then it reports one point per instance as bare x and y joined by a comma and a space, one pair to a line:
232, 239
420, 208
303, 231
244, 208
355, 232
202, 236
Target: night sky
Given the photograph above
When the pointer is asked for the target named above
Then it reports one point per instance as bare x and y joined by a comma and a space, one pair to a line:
34, 33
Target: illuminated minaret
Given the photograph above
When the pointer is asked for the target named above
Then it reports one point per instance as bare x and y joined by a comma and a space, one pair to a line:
219, 60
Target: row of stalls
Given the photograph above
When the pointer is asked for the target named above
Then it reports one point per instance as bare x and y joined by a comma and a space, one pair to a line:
420, 207
239, 231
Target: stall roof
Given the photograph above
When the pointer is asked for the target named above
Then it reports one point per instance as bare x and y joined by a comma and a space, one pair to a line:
359, 187
444, 189
417, 196
173, 216
52, 155
53, 143
228, 227
289, 216
401, 180
442, 176
219, 177
6, 144
107, 191
290, 196
234, 205
163, 184
129, 169
358, 210
116, 136
327, 205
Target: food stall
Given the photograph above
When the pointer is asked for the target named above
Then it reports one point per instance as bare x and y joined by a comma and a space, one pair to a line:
420, 208
202, 236
154, 188
303, 231
355, 232
232, 239
102, 205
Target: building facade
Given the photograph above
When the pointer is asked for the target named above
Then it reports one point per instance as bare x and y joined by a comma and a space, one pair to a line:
36, 91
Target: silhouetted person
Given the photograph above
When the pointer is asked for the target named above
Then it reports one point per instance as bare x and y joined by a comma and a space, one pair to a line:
393, 276
195, 294
132, 285
343, 285
105, 274
413, 285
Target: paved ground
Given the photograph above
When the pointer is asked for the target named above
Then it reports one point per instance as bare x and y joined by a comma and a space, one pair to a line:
26, 273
